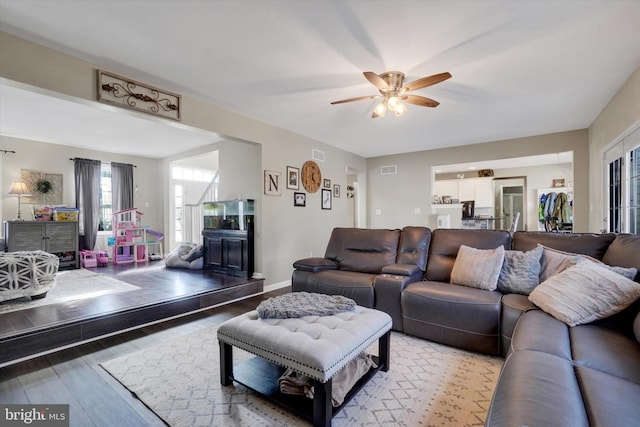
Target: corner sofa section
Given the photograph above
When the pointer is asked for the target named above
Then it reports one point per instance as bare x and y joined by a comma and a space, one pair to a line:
554, 375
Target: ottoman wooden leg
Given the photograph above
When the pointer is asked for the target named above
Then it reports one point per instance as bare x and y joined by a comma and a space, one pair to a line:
226, 363
384, 351
322, 407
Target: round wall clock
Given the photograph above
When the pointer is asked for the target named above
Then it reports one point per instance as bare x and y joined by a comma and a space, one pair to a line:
311, 176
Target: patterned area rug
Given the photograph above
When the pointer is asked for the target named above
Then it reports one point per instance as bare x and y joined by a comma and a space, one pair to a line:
71, 285
428, 385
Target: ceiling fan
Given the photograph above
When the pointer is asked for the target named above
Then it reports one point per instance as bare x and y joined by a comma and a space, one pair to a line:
390, 85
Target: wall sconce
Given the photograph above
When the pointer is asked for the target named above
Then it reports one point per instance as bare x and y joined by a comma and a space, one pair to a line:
19, 189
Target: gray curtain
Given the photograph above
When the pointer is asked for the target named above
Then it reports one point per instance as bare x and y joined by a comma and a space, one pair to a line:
87, 175
121, 186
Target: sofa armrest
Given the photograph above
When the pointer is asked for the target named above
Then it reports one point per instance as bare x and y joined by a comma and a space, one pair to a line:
388, 289
315, 264
401, 269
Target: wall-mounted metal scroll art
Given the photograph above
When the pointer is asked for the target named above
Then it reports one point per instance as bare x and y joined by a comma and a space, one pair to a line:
123, 92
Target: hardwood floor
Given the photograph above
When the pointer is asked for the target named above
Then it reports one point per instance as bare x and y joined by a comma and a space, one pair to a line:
162, 293
73, 377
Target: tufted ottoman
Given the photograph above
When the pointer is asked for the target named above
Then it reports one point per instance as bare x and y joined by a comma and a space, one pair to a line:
315, 346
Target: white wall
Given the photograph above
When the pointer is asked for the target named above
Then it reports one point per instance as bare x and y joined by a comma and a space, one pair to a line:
621, 115
286, 232
397, 196
54, 158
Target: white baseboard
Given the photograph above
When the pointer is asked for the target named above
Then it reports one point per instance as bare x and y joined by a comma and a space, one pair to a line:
275, 286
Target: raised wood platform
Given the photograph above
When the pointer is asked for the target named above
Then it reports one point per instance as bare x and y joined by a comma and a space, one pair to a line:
163, 293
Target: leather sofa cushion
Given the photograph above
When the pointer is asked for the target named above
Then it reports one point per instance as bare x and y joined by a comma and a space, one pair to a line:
537, 389
609, 400
606, 350
357, 286
623, 252
594, 245
414, 246
455, 315
446, 242
363, 250
540, 332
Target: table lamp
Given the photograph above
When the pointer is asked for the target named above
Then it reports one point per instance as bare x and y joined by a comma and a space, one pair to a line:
19, 189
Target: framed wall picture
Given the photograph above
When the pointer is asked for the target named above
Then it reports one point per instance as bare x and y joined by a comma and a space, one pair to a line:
300, 199
336, 190
293, 178
327, 183
557, 183
45, 188
272, 183
326, 198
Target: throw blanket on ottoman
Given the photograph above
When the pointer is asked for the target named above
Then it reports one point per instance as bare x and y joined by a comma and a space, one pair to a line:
292, 382
300, 304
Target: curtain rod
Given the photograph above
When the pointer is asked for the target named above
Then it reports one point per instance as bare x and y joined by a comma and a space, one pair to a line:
8, 151
74, 158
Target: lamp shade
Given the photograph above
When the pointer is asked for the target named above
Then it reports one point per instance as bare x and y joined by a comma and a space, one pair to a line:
19, 189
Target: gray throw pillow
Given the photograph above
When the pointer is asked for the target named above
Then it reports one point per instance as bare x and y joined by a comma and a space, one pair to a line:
193, 254
477, 268
584, 293
520, 271
554, 261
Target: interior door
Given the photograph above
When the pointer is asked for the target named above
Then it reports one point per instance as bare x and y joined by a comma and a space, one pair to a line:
512, 202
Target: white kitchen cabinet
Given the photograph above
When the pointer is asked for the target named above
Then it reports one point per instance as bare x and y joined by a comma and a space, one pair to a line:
466, 189
478, 189
447, 187
484, 192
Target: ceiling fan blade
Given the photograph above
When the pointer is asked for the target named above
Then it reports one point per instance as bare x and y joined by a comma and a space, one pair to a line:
426, 81
420, 100
360, 98
376, 80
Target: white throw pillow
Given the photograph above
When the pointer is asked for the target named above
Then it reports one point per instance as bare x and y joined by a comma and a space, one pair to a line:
478, 268
584, 293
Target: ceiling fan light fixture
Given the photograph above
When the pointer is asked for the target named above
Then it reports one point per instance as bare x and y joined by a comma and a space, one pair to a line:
380, 109
393, 103
400, 109
391, 86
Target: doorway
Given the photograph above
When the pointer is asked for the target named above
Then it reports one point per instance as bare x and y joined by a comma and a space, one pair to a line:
510, 200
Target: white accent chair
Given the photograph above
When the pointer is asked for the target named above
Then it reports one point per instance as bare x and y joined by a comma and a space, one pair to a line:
27, 273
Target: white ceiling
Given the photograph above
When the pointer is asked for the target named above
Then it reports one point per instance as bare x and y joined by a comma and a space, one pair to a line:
519, 68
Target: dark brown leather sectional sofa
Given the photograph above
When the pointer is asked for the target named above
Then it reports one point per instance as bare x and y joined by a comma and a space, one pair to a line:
554, 375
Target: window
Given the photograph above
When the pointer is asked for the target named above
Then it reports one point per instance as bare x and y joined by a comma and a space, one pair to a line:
105, 198
622, 211
179, 208
190, 174
634, 191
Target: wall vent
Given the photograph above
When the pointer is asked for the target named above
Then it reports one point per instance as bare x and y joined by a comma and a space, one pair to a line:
389, 170
317, 155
